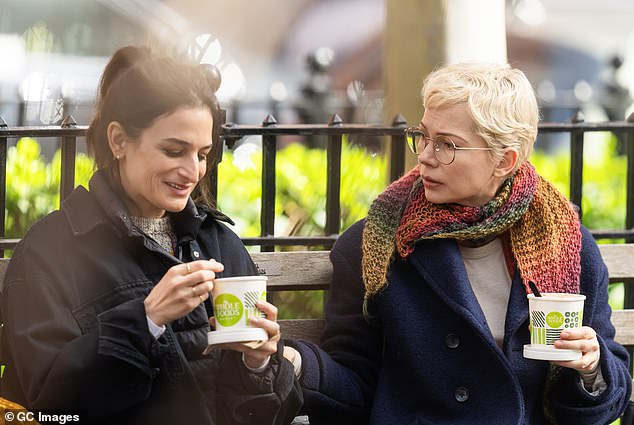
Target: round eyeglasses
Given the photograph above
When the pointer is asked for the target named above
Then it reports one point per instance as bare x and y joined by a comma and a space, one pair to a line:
444, 148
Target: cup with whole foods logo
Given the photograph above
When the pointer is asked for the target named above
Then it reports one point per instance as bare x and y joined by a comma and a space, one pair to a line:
234, 301
551, 314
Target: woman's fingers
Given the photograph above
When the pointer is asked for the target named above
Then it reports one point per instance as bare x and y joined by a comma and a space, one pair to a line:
193, 266
270, 325
583, 339
182, 289
199, 276
257, 354
269, 310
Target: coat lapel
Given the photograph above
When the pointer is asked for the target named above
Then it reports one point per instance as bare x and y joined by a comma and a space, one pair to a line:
440, 264
517, 312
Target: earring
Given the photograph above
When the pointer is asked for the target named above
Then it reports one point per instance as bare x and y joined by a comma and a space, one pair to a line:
116, 157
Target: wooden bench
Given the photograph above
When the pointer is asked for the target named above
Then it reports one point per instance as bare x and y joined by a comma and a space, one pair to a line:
312, 270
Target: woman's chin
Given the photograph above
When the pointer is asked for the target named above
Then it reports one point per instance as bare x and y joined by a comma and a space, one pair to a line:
435, 198
174, 207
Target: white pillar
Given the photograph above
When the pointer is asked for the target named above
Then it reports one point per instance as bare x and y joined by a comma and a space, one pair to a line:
475, 31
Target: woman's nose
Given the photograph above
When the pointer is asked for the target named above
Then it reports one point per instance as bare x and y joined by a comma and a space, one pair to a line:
426, 154
191, 167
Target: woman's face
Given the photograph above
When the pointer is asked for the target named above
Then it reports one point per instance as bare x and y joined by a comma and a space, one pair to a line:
473, 178
160, 169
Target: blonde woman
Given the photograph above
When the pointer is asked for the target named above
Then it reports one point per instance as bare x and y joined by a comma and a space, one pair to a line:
428, 313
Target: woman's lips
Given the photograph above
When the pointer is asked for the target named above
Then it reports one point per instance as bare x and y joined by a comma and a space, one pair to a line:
430, 183
179, 188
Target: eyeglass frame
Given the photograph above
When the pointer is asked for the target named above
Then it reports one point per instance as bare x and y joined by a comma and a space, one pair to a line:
423, 133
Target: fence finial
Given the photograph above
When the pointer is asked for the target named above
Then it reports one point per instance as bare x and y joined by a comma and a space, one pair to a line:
269, 121
578, 117
630, 117
335, 120
399, 121
68, 122
3, 123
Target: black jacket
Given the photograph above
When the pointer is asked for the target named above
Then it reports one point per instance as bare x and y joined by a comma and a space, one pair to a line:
76, 339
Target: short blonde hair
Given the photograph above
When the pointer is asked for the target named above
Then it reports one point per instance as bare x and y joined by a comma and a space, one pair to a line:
499, 99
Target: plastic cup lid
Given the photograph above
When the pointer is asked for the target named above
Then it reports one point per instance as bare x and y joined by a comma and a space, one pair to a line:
548, 352
237, 335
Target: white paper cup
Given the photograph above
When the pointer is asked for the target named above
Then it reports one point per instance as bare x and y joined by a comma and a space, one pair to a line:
549, 315
234, 301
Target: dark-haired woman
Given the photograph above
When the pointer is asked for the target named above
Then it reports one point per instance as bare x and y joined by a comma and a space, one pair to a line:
104, 301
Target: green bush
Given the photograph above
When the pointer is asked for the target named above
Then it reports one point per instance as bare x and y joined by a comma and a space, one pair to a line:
300, 207
301, 188
604, 180
33, 191
33, 184
604, 188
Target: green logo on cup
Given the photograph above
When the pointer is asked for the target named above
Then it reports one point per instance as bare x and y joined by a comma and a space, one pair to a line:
228, 309
555, 319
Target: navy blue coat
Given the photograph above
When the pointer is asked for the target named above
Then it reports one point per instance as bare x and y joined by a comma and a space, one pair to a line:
428, 356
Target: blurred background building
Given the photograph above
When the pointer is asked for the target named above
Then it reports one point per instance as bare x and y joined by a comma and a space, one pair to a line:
302, 60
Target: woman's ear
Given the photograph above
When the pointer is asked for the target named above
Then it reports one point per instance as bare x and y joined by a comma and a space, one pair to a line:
117, 138
506, 165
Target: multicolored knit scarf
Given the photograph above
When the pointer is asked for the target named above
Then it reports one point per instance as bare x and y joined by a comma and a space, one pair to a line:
544, 229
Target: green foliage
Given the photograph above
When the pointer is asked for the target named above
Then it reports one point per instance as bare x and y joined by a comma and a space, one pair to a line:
33, 191
604, 188
300, 201
604, 180
33, 184
301, 188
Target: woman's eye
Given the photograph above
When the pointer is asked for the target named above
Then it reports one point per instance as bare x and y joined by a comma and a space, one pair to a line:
202, 157
172, 153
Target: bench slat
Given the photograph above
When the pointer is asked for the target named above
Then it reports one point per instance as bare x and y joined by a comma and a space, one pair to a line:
619, 258
307, 329
295, 270
306, 270
623, 321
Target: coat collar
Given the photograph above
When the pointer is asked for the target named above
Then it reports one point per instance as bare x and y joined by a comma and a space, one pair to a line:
103, 206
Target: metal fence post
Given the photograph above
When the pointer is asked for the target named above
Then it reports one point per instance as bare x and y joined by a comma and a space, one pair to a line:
576, 162
3, 180
69, 151
397, 149
267, 215
333, 189
628, 301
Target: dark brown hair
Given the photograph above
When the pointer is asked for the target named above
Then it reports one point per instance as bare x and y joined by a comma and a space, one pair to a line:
136, 88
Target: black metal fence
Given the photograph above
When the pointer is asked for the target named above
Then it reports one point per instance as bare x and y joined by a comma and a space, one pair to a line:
68, 133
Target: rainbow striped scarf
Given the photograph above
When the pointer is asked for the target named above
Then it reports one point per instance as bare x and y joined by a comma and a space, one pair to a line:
544, 229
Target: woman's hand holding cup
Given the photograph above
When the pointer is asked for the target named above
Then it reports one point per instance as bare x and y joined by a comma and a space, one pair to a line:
585, 340
257, 354
183, 288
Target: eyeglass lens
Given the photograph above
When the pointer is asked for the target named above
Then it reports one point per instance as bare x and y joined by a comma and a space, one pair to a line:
444, 148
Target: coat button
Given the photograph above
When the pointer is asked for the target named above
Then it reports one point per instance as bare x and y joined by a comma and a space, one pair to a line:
452, 340
196, 254
461, 394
